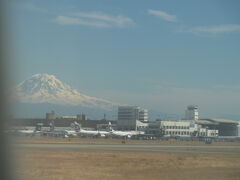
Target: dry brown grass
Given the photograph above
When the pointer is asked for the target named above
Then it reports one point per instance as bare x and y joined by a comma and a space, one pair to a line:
73, 165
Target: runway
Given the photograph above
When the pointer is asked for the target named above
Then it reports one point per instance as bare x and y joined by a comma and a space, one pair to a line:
204, 149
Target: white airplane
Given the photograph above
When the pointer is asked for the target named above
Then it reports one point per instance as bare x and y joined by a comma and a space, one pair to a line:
78, 130
57, 132
70, 133
127, 134
28, 132
93, 133
74, 131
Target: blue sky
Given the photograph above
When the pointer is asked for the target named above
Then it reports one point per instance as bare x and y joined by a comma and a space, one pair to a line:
162, 55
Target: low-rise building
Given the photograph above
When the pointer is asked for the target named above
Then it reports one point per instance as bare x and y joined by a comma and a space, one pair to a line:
185, 129
212, 133
179, 128
225, 127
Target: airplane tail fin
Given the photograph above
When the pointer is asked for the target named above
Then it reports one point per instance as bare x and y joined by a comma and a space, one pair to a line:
51, 125
76, 126
110, 126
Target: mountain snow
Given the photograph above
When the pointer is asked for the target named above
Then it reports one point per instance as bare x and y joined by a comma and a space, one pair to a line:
45, 88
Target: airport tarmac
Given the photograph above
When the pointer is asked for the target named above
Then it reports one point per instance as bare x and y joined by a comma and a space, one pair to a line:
202, 149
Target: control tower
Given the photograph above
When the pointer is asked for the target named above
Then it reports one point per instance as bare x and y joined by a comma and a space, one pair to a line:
191, 113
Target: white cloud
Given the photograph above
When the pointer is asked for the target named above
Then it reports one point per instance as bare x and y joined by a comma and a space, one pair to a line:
113, 20
99, 20
65, 20
215, 29
163, 15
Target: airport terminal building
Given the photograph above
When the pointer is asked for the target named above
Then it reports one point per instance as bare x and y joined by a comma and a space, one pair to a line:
226, 127
135, 118
190, 126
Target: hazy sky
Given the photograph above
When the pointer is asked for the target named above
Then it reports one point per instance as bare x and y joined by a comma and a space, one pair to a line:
157, 54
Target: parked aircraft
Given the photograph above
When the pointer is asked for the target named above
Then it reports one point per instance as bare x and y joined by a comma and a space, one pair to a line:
76, 126
127, 134
60, 132
27, 132
57, 132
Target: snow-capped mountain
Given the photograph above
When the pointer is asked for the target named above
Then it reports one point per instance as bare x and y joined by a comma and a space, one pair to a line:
45, 88
42, 93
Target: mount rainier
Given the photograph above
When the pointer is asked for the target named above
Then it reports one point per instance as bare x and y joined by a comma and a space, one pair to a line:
43, 92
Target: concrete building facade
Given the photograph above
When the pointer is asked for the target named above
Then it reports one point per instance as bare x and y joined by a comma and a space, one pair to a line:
186, 129
178, 128
127, 117
143, 115
225, 127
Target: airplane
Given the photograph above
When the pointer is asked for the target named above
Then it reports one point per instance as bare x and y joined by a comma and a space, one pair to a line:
127, 134
111, 132
62, 132
27, 132
59, 132
70, 133
78, 130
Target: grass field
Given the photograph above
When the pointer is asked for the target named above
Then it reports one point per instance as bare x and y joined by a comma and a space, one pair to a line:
33, 164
